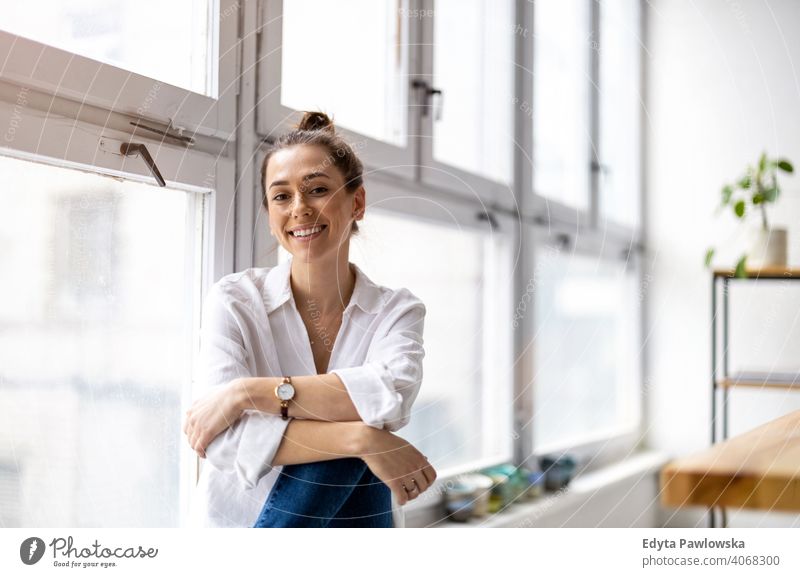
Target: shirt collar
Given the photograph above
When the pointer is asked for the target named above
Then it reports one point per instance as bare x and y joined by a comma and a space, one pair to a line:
278, 289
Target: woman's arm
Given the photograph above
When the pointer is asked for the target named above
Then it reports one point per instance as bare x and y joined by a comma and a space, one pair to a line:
317, 397
392, 459
307, 441
380, 392
245, 442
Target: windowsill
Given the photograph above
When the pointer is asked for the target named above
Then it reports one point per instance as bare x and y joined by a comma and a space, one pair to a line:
582, 487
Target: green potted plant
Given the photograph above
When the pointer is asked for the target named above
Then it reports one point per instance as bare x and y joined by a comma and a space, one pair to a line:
750, 195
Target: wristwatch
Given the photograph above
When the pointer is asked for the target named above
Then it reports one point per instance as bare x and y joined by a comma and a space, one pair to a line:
285, 393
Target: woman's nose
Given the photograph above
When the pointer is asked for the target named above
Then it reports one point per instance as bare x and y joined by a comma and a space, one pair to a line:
299, 206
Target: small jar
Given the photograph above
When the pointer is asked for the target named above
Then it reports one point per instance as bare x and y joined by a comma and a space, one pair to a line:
482, 490
536, 484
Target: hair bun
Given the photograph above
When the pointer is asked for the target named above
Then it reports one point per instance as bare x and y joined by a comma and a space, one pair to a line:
316, 121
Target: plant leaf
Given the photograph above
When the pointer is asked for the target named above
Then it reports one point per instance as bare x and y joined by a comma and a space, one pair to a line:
785, 165
738, 208
744, 182
740, 268
762, 162
771, 194
727, 192
758, 198
709, 256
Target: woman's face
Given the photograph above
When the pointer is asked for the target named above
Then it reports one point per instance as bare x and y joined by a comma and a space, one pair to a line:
304, 190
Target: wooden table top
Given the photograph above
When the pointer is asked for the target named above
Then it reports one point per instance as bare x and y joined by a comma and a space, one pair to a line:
759, 469
763, 272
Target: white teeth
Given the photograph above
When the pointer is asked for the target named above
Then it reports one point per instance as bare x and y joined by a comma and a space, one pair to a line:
307, 232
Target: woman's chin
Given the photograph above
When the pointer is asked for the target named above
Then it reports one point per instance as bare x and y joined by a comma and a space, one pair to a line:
307, 254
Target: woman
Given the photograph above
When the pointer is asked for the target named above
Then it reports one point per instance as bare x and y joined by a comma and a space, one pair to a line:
311, 366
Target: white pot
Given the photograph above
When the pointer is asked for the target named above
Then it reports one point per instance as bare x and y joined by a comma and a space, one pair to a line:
767, 248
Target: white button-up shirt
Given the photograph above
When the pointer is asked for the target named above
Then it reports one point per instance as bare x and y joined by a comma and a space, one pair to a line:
251, 328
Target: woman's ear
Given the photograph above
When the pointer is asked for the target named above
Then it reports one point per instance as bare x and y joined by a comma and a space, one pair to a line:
360, 203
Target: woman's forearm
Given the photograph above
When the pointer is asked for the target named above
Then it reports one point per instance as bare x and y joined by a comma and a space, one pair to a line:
317, 397
309, 441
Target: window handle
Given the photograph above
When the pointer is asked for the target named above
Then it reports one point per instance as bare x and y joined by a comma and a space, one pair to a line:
488, 217
131, 149
428, 92
600, 167
564, 241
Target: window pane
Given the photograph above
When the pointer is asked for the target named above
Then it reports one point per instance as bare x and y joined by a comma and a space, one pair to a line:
168, 41
463, 412
561, 106
347, 59
95, 348
586, 349
473, 64
620, 109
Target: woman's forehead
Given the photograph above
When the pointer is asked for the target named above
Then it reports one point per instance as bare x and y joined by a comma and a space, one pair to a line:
298, 161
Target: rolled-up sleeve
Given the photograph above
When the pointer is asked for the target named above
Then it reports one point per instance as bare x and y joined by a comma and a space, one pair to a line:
248, 447
384, 388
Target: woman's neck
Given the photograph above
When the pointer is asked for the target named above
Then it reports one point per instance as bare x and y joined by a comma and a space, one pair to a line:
325, 287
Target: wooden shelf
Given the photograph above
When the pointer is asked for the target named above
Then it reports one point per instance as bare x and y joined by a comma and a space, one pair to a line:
765, 381
759, 469
765, 272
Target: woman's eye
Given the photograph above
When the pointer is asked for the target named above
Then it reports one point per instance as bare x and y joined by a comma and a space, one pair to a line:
281, 196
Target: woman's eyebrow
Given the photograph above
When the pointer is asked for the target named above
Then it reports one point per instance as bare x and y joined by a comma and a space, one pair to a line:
307, 177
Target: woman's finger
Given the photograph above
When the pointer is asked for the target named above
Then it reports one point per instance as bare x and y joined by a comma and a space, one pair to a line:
402, 495
412, 488
430, 473
417, 485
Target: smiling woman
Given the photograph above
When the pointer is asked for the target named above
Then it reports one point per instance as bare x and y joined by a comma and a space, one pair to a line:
316, 450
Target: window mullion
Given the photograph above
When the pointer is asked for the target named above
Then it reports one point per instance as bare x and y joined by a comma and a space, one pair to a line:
424, 72
594, 116
523, 188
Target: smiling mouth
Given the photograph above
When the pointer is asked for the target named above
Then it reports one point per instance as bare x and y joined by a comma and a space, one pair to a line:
318, 229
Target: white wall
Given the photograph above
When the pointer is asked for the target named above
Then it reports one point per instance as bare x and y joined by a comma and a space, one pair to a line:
723, 84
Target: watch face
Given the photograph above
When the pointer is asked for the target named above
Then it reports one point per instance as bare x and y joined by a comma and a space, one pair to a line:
285, 391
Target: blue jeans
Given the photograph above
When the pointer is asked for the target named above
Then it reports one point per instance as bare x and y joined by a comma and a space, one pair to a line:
337, 493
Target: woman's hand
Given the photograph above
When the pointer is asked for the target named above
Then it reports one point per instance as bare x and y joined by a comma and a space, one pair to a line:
397, 463
212, 414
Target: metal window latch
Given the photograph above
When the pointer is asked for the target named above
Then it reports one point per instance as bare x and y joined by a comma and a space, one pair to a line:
600, 167
563, 240
134, 149
174, 133
428, 92
488, 217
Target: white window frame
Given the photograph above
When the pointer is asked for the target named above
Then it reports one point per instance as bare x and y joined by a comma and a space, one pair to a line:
543, 218
77, 145
545, 210
531, 220
383, 192
275, 119
603, 222
80, 124
441, 175
71, 76
603, 447
72, 142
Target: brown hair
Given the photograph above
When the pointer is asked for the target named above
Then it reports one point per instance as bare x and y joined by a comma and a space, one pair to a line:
316, 129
